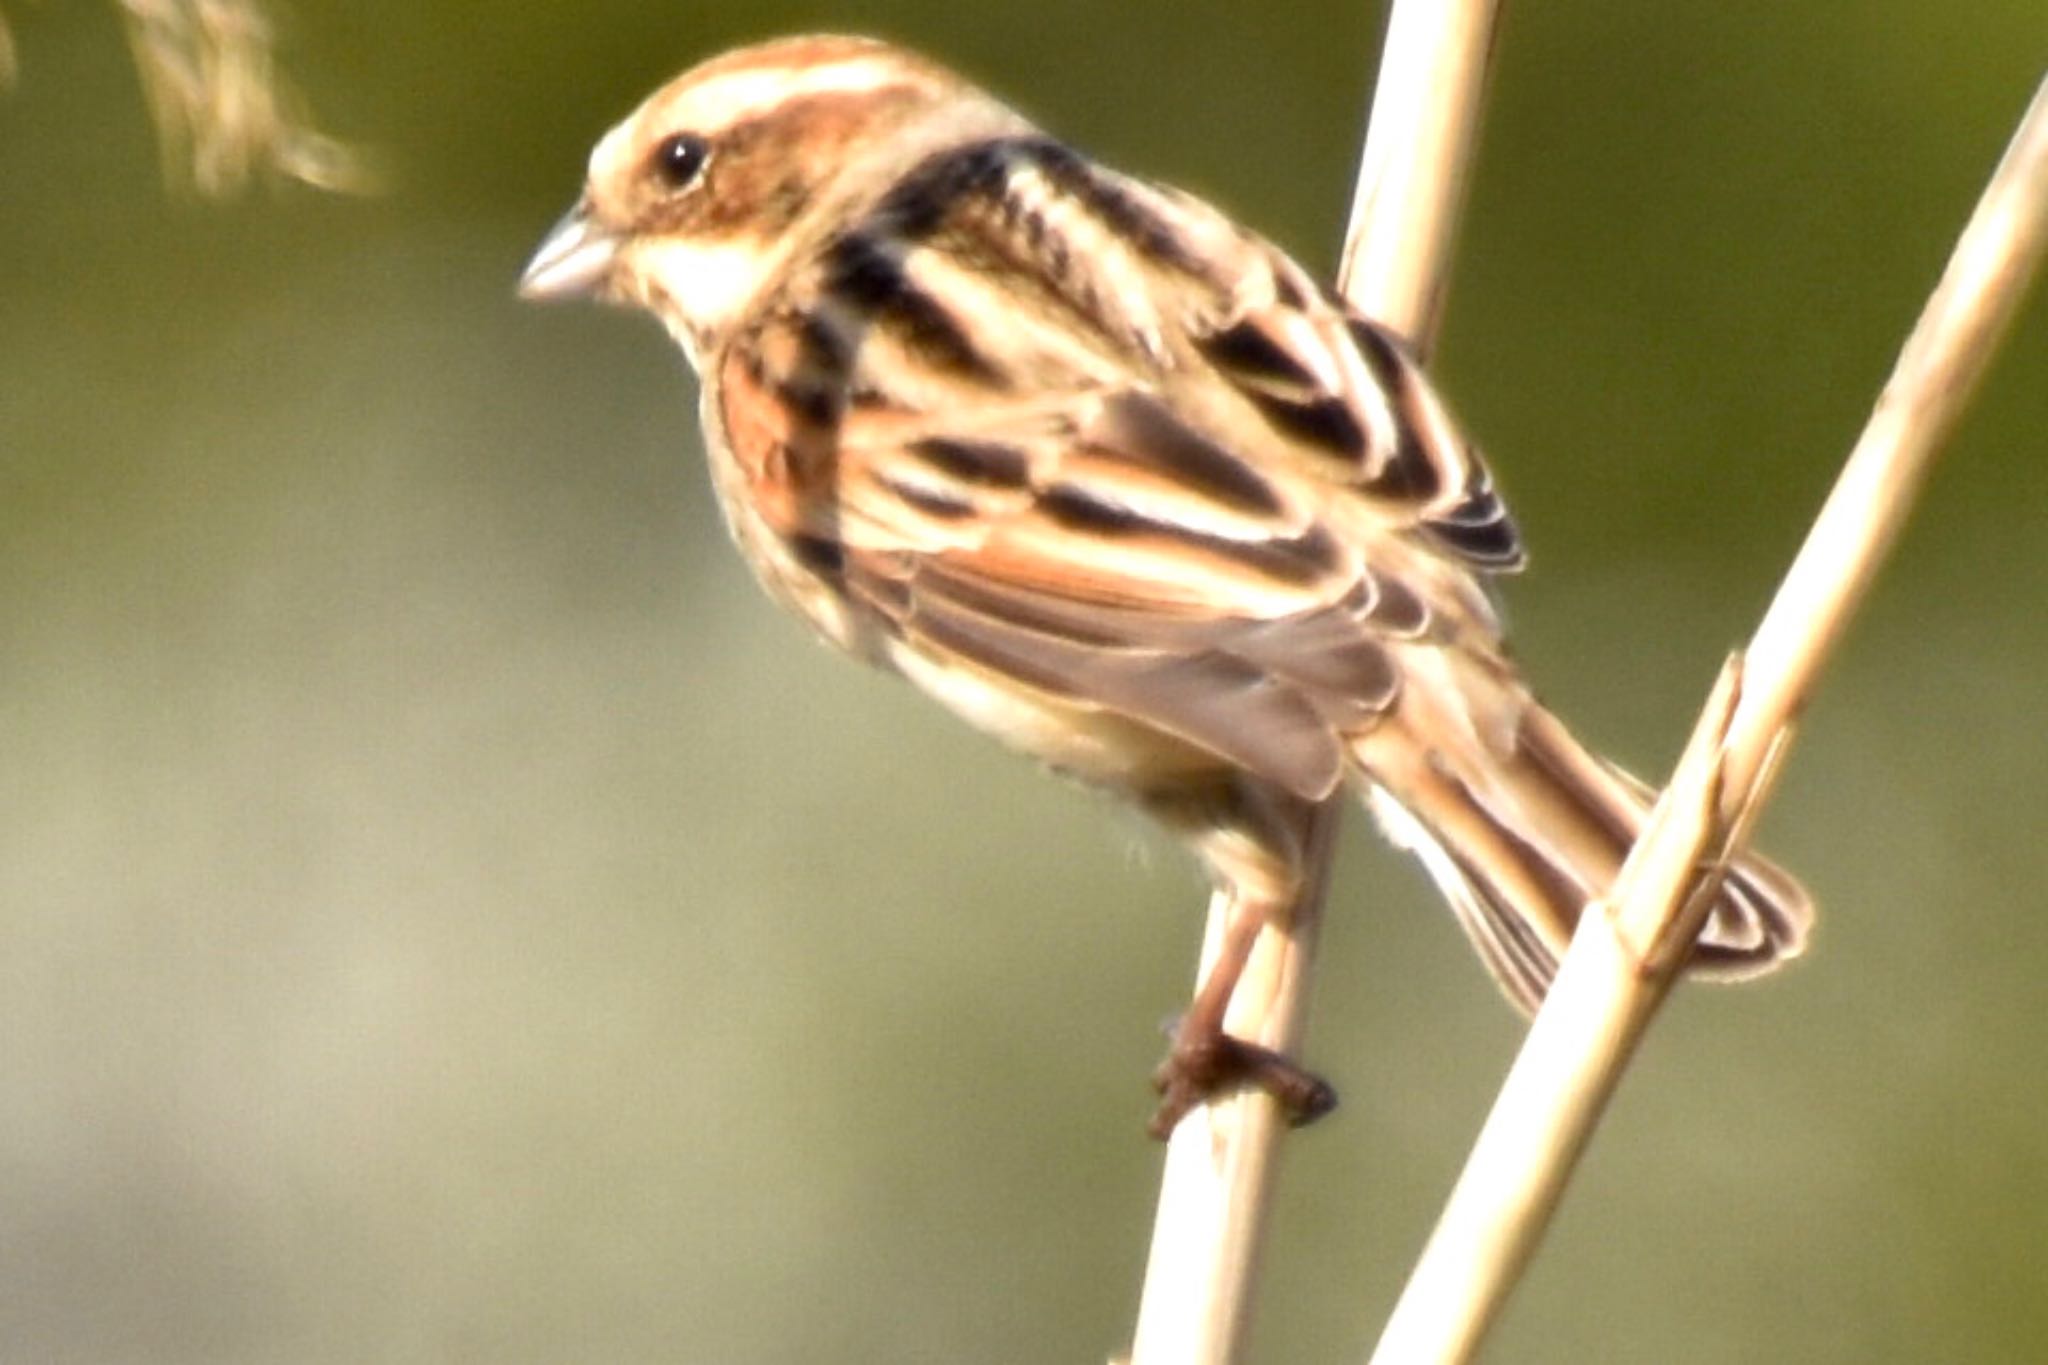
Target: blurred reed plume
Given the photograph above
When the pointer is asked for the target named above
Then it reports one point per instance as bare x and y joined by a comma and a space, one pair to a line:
224, 114
8, 62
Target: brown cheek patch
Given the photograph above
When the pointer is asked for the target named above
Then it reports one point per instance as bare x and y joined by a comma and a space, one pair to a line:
764, 172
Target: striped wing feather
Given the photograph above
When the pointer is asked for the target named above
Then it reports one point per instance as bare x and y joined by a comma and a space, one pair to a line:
1241, 624
1223, 549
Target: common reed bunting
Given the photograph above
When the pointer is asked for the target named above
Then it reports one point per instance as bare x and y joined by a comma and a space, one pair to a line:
1119, 483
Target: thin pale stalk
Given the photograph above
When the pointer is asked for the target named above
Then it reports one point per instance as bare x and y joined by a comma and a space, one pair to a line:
1418, 152
1220, 1161
1621, 963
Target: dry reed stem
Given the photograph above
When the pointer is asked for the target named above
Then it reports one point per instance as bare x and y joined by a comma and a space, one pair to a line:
1201, 1274
1622, 962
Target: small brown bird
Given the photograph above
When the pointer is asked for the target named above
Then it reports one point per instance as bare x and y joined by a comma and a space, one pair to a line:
1121, 484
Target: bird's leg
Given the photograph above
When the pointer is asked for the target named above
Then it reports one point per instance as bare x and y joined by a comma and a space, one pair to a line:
1204, 1061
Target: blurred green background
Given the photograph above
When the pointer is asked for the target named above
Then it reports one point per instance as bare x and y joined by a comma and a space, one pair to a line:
446, 915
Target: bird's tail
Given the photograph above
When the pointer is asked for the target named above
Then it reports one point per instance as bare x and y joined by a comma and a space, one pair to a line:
1520, 844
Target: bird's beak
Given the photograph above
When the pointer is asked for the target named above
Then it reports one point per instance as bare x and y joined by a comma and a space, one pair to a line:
575, 262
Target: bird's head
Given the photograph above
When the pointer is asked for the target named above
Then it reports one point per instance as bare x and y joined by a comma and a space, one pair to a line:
693, 204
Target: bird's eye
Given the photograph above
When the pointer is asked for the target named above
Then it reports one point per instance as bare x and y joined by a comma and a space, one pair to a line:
679, 158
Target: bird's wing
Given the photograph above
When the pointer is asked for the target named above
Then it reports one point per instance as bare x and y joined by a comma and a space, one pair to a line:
1091, 437
1100, 551
1347, 394
1154, 281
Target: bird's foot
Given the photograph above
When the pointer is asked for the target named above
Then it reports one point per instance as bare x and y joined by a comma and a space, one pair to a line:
1200, 1067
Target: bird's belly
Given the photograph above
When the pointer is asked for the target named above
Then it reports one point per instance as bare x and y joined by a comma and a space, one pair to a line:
1078, 738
